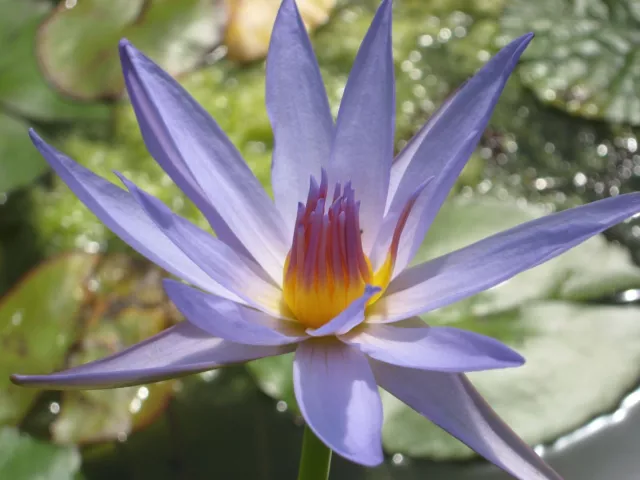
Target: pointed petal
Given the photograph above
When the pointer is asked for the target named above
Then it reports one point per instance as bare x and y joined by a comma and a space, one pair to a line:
175, 352
164, 152
236, 273
451, 402
350, 317
443, 349
175, 126
122, 215
229, 320
397, 225
486, 263
363, 144
299, 112
339, 400
404, 158
446, 143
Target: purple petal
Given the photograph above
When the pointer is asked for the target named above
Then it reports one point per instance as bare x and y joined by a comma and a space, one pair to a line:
175, 127
229, 320
236, 273
339, 400
166, 153
451, 402
350, 317
122, 215
445, 144
399, 221
403, 159
443, 349
299, 112
363, 144
177, 351
495, 259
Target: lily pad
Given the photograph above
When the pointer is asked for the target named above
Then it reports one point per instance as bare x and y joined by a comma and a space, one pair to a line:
25, 95
127, 305
23, 457
21, 163
585, 57
37, 326
100, 415
23, 90
78, 44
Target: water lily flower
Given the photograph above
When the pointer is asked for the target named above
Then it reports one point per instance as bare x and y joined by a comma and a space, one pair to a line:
323, 270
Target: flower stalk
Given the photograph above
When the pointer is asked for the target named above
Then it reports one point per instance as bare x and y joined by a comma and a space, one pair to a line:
315, 458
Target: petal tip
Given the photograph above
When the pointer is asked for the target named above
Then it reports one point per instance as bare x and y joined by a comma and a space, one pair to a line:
35, 138
371, 290
125, 47
515, 359
26, 380
369, 462
369, 459
127, 183
385, 10
521, 43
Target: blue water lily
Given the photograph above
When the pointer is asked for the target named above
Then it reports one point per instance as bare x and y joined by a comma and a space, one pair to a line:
323, 269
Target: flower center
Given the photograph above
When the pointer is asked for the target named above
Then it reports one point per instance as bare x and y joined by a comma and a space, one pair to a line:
326, 268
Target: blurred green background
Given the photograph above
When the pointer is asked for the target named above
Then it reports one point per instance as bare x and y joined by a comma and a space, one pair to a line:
564, 133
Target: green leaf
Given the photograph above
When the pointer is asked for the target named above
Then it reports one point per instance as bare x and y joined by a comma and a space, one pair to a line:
22, 457
23, 89
127, 306
584, 58
103, 415
20, 162
570, 349
78, 47
38, 325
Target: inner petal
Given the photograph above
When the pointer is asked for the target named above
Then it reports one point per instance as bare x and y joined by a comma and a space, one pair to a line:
326, 268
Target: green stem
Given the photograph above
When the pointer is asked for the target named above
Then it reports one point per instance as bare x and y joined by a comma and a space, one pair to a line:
315, 459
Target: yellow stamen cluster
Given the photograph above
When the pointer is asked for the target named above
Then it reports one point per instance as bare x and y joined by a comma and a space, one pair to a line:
326, 268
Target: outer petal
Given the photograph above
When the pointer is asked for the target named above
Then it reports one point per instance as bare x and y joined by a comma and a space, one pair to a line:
176, 127
299, 112
170, 159
236, 273
447, 142
404, 158
443, 349
120, 213
338, 398
450, 401
397, 224
495, 259
177, 351
229, 320
363, 145
349, 318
